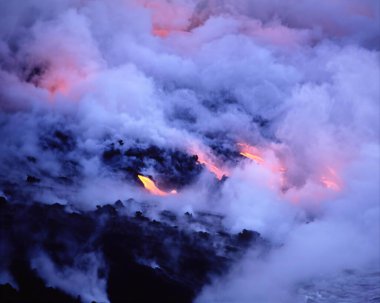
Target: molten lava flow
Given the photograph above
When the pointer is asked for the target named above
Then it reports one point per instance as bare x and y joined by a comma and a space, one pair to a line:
57, 86
250, 152
219, 173
253, 157
330, 183
254, 154
331, 180
63, 80
152, 188
315, 189
206, 160
167, 16
269, 162
160, 32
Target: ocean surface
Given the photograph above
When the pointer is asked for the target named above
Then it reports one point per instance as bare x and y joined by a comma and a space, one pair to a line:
350, 287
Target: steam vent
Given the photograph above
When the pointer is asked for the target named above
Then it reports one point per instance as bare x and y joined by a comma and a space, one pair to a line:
190, 151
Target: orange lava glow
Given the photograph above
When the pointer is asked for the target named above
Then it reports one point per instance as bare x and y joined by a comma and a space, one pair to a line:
318, 187
57, 86
331, 180
208, 161
330, 184
250, 152
152, 188
63, 80
167, 16
253, 157
218, 172
278, 170
267, 161
160, 32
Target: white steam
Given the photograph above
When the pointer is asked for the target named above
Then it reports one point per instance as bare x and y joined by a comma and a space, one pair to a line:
179, 74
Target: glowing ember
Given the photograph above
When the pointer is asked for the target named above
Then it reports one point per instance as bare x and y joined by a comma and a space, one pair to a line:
152, 188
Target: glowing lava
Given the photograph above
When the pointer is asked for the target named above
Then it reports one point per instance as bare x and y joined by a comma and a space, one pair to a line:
219, 173
167, 16
253, 157
250, 152
207, 160
331, 180
160, 32
152, 188
57, 86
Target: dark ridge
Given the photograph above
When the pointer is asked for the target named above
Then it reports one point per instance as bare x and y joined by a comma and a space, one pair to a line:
226, 152
261, 121
144, 260
34, 291
173, 169
183, 114
31, 159
34, 74
265, 127
32, 179
219, 102
223, 147
58, 140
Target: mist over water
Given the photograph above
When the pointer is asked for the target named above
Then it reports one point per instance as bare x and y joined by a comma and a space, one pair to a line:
263, 112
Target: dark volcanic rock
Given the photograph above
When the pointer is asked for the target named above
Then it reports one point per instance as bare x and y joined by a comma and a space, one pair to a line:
144, 260
174, 169
32, 179
58, 140
33, 74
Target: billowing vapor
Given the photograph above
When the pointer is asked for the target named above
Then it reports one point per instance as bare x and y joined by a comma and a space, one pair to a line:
264, 112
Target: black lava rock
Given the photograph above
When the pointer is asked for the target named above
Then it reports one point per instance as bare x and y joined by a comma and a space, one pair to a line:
144, 260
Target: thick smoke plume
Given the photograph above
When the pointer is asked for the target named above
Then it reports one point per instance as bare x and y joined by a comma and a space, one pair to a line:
264, 112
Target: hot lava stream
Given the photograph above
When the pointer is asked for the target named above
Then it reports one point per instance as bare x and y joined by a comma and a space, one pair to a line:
152, 188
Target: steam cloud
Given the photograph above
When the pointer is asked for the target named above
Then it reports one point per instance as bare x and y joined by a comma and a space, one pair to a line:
297, 80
